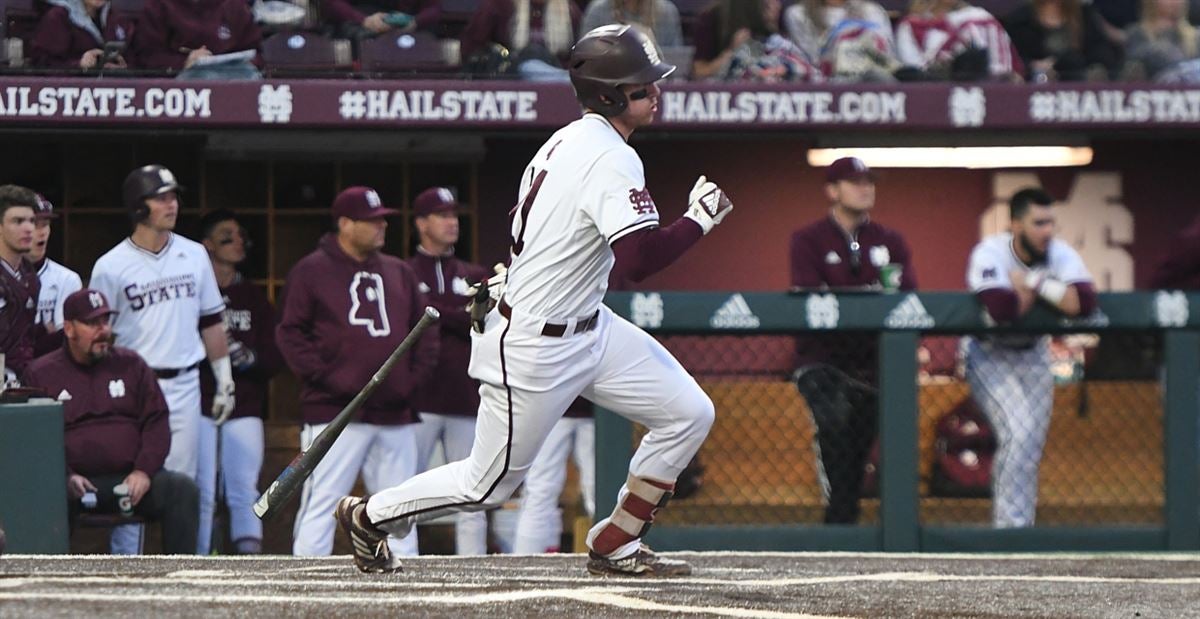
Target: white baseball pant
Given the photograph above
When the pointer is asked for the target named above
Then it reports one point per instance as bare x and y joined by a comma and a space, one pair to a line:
241, 460
539, 522
527, 381
386, 456
182, 394
456, 433
1015, 389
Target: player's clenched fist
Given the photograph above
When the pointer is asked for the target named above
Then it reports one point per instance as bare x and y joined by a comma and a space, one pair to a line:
707, 204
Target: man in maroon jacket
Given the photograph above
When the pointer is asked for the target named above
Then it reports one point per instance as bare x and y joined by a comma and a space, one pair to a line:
19, 284
173, 34
845, 251
346, 307
72, 35
115, 424
250, 321
447, 402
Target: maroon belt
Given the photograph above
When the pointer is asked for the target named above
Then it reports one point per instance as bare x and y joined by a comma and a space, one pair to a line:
551, 329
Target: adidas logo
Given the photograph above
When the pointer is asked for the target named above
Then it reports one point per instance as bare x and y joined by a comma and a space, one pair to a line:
64, 396
910, 314
832, 258
734, 314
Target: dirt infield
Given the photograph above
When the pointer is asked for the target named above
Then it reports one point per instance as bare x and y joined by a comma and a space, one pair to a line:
779, 585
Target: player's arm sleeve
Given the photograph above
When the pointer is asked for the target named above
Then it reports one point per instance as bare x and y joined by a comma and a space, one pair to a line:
625, 206
294, 335
804, 261
644, 252
156, 432
1088, 299
987, 278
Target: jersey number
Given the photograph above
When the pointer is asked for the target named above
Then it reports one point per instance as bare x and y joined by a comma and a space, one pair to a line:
518, 243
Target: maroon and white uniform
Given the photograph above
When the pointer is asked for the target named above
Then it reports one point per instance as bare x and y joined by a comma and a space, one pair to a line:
19, 290
551, 339
341, 319
250, 324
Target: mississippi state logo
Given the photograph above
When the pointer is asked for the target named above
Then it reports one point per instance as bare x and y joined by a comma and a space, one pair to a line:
642, 203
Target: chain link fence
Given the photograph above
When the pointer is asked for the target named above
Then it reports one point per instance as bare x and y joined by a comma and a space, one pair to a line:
1013, 430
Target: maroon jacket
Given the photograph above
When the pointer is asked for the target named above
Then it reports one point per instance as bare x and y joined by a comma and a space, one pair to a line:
114, 414
822, 258
250, 321
59, 43
169, 26
444, 279
428, 13
1181, 267
492, 23
334, 336
18, 316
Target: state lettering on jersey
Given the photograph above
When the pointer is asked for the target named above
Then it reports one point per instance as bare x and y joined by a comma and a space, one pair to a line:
642, 203
367, 306
141, 296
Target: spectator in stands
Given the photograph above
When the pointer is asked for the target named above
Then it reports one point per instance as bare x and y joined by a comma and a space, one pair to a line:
1062, 40
537, 34
359, 19
72, 35
173, 35
19, 284
740, 40
951, 39
115, 419
836, 374
1160, 40
847, 38
658, 18
250, 328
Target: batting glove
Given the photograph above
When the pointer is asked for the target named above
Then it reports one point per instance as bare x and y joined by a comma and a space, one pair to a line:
223, 400
707, 204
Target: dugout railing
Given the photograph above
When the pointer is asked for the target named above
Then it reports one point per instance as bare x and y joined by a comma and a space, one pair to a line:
1155, 507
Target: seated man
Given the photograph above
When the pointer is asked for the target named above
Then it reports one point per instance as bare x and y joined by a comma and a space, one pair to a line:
116, 425
358, 19
173, 35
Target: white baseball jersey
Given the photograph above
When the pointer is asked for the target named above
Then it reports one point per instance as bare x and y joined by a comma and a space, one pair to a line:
993, 259
58, 282
159, 298
586, 198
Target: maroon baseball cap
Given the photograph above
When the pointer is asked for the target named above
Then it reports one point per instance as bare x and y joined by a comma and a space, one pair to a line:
847, 169
360, 203
44, 209
86, 304
434, 200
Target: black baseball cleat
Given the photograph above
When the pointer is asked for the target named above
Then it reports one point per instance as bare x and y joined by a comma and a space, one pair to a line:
642, 564
371, 552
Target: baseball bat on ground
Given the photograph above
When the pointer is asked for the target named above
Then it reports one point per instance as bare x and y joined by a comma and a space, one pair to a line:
292, 477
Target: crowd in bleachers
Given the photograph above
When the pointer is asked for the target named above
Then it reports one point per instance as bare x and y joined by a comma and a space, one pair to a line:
803, 41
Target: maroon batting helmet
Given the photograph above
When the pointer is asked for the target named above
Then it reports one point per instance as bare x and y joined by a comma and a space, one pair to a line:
145, 182
608, 57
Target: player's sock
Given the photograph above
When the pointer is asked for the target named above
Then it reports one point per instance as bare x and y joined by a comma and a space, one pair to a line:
633, 516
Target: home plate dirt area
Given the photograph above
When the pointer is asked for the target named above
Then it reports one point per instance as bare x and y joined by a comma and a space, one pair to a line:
724, 584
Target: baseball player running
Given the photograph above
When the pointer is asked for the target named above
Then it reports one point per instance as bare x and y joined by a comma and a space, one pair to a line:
1010, 374
58, 282
168, 310
583, 210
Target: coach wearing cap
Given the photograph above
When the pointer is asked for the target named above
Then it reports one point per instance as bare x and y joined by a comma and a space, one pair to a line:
845, 250
116, 428
346, 307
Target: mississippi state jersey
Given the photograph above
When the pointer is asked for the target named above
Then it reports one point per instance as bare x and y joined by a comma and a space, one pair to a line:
58, 282
583, 190
993, 259
159, 298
